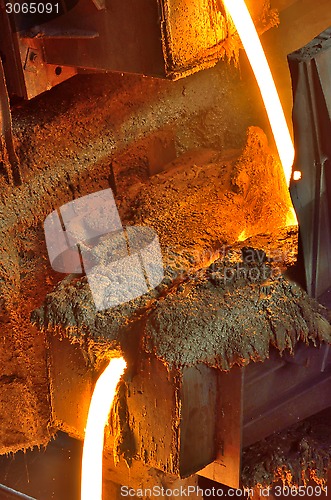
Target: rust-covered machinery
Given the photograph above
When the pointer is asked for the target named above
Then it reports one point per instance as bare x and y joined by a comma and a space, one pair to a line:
44, 43
172, 39
166, 39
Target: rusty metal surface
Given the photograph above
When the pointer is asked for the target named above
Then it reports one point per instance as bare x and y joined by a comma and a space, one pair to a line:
283, 391
10, 59
192, 33
10, 494
37, 75
311, 77
129, 38
198, 409
27, 73
226, 468
51, 473
161, 38
168, 38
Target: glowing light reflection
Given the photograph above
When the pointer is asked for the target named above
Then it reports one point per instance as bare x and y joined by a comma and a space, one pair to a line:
255, 53
297, 175
101, 403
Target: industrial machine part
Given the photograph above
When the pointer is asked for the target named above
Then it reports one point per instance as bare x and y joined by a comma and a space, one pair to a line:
256, 401
242, 418
44, 43
285, 390
311, 184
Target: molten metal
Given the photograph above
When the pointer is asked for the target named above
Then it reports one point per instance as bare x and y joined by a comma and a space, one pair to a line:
101, 403
255, 53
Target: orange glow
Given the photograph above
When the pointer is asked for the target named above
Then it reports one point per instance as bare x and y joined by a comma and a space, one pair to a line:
255, 53
242, 236
297, 175
291, 219
101, 403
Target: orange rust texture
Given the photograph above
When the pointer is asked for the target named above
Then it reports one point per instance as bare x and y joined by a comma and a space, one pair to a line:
192, 28
205, 199
198, 33
66, 141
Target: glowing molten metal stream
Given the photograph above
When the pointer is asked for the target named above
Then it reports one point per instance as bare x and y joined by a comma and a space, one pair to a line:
101, 403
252, 45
